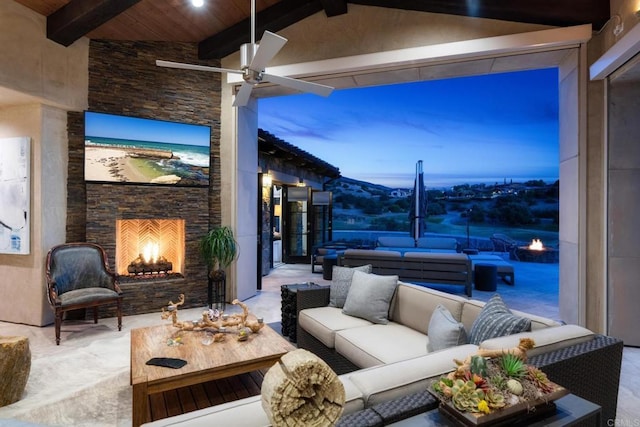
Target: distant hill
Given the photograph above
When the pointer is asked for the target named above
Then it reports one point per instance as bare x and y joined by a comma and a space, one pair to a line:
345, 185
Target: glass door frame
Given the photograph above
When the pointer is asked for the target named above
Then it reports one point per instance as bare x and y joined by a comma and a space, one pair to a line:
298, 253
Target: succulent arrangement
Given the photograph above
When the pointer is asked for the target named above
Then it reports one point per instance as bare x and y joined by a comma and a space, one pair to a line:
482, 385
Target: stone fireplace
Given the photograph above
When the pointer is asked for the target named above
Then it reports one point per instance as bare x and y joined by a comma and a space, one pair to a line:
137, 88
141, 215
150, 248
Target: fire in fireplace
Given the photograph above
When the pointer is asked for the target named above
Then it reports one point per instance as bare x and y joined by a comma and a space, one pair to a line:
150, 262
150, 247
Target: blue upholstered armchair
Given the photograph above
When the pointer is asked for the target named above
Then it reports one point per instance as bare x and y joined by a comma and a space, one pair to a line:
78, 277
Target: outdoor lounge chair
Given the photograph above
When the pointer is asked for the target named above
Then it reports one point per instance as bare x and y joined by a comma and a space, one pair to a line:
503, 243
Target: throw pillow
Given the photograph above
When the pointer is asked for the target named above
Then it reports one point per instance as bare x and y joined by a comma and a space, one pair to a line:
496, 320
341, 282
369, 297
444, 331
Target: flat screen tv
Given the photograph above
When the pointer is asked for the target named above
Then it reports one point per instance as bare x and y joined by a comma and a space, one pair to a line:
133, 150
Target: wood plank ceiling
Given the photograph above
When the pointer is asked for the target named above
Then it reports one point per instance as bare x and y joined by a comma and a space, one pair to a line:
221, 26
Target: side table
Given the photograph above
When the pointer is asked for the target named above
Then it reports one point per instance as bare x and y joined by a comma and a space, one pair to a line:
485, 277
288, 308
327, 266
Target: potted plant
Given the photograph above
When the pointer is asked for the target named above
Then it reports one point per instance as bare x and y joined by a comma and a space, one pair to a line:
219, 249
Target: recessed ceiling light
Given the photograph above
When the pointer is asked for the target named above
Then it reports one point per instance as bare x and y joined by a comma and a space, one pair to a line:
197, 3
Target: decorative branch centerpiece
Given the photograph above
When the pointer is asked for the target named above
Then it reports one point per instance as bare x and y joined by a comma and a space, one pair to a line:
215, 321
493, 385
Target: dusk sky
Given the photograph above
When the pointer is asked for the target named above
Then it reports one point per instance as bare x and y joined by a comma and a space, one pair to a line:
465, 130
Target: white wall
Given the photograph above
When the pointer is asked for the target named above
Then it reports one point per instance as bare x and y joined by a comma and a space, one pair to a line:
22, 281
33, 65
572, 193
39, 82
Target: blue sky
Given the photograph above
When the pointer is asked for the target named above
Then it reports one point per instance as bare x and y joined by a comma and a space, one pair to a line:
465, 130
137, 129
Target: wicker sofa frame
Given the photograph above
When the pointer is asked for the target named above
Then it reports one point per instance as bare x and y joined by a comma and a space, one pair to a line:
590, 369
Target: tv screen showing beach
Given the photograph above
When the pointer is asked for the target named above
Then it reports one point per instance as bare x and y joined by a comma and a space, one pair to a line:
143, 151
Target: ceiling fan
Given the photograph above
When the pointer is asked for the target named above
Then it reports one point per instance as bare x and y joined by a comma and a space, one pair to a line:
253, 61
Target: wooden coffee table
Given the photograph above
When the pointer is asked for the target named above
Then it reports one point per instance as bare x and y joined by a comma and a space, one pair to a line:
204, 362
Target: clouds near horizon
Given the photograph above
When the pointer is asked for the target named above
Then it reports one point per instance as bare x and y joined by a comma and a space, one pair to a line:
476, 128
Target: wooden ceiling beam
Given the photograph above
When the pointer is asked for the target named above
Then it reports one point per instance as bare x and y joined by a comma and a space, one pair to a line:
79, 17
559, 13
274, 18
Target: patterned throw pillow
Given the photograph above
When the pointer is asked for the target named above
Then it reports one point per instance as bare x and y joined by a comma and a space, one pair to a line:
496, 320
341, 282
369, 297
444, 331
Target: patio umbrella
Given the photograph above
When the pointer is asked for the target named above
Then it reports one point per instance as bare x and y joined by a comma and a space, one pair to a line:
418, 211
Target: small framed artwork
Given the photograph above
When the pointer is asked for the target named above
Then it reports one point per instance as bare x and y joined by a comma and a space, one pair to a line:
15, 161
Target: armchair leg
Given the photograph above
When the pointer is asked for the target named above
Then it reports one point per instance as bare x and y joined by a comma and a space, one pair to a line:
119, 310
58, 322
95, 314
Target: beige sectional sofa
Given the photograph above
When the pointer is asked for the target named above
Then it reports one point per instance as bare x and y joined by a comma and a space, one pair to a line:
382, 362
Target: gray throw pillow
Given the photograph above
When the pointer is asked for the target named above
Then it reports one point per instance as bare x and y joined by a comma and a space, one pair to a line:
496, 320
369, 297
341, 282
444, 331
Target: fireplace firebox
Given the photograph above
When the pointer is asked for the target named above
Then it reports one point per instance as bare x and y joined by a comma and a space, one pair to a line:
150, 248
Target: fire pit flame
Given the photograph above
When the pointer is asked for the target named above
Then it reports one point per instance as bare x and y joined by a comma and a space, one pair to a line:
536, 245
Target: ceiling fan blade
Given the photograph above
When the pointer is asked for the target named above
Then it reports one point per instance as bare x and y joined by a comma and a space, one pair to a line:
269, 46
301, 85
181, 65
243, 95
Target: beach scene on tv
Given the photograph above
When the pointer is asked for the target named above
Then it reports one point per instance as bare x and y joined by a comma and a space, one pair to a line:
134, 150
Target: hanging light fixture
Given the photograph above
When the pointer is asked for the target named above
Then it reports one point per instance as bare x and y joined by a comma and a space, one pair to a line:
197, 3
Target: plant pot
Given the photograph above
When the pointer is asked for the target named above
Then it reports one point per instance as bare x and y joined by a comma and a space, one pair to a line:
218, 276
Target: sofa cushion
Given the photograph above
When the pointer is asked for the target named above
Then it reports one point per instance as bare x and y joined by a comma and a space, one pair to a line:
472, 309
443, 243
353, 397
397, 241
249, 411
243, 412
413, 305
393, 380
341, 282
369, 296
496, 320
537, 322
323, 322
378, 344
546, 340
444, 330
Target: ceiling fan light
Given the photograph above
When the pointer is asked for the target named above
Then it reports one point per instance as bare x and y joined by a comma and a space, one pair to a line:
197, 3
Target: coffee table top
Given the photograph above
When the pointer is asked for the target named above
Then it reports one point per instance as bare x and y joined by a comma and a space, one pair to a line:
204, 362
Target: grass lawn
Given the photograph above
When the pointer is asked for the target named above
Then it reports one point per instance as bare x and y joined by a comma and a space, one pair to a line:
450, 224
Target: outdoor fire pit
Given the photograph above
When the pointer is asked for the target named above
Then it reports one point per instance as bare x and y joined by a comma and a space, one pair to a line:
535, 252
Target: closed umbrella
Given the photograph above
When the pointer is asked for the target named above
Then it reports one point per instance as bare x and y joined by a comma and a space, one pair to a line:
418, 211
